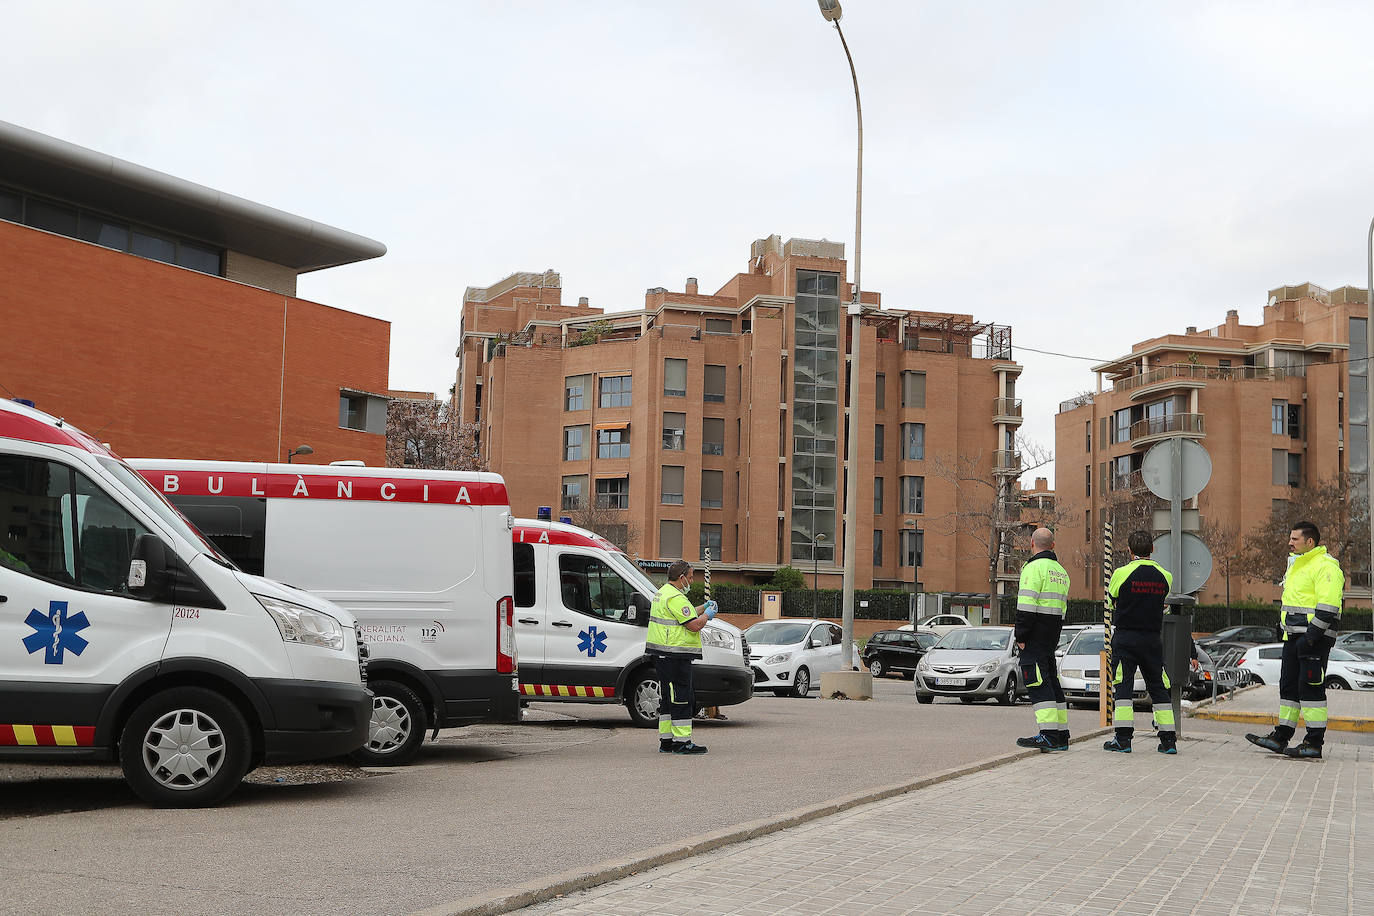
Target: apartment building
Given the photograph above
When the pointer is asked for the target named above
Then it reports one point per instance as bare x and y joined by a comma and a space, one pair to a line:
161, 315
717, 420
1279, 405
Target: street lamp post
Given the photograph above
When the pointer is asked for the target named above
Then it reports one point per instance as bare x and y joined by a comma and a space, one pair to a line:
831, 11
915, 570
815, 571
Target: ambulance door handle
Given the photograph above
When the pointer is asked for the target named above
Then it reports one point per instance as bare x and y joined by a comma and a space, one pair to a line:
4, 598
562, 623
530, 620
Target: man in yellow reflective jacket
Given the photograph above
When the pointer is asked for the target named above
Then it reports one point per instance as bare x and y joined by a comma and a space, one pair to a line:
1041, 603
673, 641
1312, 594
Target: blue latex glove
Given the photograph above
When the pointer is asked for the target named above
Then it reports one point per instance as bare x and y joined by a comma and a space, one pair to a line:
710, 608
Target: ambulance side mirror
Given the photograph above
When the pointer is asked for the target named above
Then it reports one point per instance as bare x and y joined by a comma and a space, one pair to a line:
148, 576
638, 612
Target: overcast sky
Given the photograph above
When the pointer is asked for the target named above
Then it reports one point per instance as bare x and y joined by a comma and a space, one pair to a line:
1090, 173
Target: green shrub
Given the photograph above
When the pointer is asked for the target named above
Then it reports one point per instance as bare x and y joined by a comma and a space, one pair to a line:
786, 578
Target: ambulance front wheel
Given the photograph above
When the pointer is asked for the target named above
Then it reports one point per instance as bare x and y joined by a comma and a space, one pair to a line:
642, 699
187, 747
397, 728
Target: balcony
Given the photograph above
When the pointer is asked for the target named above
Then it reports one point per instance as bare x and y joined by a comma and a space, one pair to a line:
1128, 483
1152, 429
1006, 410
1006, 461
1186, 375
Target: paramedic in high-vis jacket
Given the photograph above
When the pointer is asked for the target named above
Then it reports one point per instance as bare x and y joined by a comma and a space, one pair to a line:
1041, 603
1312, 593
674, 640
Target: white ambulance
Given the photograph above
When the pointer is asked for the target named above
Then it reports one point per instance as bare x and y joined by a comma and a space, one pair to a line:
581, 613
124, 635
422, 558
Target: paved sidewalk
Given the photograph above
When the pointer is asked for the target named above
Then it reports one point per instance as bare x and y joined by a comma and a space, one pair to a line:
1350, 710
1222, 828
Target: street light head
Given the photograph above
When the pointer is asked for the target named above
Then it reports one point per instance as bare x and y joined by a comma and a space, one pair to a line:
830, 9
302, 450
819, 537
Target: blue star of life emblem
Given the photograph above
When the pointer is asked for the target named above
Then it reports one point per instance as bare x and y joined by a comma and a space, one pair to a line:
591, 641
56, 632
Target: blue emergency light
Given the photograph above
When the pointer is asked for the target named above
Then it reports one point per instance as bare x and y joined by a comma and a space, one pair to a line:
545, 514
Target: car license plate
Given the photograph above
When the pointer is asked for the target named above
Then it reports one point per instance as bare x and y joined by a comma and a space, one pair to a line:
949, 682
1092, 685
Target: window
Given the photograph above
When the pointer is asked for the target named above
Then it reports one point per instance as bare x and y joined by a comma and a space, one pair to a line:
914, 441
574, 392
1121, 429
1280, 478
671, 494
913, 495
1294, 469
877, 496
670, 539
710, 540
615, 391
1088, 480
878, 442
1278, 417
613, 492
712, 487
525, 577
55, 524
713, 436
713, 386
352, 411
574, 443
589, 586
1088, 433
675, 378
913, 544
236, 524
613, 443
877, 547
719, 326
1295, 421
674, 431
879, 391
1102, 431
913, 389
574, 491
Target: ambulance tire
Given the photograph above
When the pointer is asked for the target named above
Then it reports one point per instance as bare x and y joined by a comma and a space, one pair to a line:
218, 733
641, 701
398, 726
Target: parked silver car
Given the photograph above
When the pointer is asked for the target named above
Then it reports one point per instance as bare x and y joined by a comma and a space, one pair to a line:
971, 663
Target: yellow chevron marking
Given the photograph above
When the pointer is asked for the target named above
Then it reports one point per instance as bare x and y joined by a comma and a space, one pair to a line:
24, 736
64, 735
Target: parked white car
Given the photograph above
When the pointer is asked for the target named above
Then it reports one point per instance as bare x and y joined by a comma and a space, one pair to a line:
788, 656
1344, 671
940, 624
1080, 669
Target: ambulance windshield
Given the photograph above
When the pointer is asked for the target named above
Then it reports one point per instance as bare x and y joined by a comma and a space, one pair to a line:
160, 507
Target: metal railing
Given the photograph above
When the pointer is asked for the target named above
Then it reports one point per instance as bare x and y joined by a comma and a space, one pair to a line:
1006, 407
1075, 402
1205, 373
1189, 423
1006, 460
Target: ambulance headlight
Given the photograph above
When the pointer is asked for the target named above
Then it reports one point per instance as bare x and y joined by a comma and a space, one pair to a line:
717, 638
300, 624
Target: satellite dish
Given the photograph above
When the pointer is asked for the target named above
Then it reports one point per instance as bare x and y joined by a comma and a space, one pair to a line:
1273, 300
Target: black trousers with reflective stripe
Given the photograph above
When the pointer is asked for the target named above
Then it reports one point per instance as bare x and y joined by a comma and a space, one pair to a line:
1133, 649
675, 688
1302, 675
1040, 674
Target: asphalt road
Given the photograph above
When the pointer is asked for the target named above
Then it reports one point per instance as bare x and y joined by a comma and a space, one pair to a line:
483, 808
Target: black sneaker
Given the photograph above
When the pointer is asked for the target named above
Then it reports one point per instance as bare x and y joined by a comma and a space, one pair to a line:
689, 748
1032, 741
665, 745
1116, 744
1305, 750
1270, 742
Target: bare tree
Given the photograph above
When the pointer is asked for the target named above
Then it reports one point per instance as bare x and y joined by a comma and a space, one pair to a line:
1337, 505
1225, 543
426, 434
986, 510
597, 515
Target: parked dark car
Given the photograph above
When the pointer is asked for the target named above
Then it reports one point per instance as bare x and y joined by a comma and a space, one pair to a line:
1250, 634
890, 651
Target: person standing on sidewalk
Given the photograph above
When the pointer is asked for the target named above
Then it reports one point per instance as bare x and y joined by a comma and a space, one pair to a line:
1312, 593
1137, 592
1041, 603
673, 641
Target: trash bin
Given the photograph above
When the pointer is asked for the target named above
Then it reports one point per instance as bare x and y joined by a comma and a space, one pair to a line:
1178, 652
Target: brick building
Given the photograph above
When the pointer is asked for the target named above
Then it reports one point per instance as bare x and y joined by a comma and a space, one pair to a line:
1278, 406
717, 420
161, 316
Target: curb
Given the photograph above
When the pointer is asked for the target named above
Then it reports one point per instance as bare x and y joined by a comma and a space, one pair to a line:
1220, 698
578, 879
1334, 723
